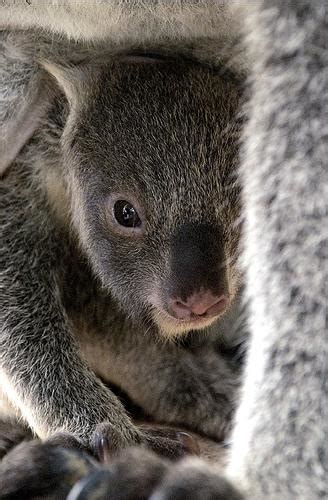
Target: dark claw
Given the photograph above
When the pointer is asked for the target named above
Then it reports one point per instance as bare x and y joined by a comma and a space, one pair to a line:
190, 444
169, 442
103, 450
108, 441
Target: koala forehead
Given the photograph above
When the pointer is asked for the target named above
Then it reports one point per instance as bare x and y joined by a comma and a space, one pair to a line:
166, 132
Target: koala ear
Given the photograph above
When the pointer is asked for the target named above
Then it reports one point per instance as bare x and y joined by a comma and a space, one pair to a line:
71, 79
20, 121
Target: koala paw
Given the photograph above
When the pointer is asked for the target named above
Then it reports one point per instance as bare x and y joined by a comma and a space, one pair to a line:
134, 474
163, 440
38, 470
201, 397
107, 440
11, 434
50, 469
139, 474
195, 480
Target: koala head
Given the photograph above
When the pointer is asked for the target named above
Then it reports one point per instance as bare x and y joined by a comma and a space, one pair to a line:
152, 149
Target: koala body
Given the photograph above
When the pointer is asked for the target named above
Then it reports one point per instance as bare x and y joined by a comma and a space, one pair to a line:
117, 229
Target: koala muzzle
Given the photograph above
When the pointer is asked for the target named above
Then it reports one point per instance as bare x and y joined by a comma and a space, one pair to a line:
198, 283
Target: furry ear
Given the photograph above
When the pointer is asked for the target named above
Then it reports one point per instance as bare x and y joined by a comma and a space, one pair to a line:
21, 114
71, 79
19, 127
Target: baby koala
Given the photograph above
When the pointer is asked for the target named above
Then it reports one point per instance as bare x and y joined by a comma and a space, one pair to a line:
119, 231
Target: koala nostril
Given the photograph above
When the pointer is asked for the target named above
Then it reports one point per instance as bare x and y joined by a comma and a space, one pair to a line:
180, 309
207, 304
217, 307
201, 304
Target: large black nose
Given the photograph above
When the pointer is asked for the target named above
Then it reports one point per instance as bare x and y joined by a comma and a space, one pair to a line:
198, 278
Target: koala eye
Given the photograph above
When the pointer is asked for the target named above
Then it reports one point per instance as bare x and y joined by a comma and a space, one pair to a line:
126, 215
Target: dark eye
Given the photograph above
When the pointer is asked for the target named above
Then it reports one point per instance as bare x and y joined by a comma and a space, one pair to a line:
126, 215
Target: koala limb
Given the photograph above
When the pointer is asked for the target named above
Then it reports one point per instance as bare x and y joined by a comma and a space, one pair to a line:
197, 391
29, 296
280, 440
204, 21
138, 474
35, 470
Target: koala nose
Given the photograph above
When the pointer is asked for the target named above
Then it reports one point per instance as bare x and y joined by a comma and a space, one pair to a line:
202, 304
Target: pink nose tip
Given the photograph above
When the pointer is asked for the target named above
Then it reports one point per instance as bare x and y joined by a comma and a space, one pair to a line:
204, 304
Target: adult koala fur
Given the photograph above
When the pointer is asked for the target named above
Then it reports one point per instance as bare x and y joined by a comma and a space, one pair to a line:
279, 448
116, 227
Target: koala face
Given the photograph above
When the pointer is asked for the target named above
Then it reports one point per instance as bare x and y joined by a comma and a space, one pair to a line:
154, 144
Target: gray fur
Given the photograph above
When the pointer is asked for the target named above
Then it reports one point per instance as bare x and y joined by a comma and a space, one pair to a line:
280, 442
279, 448
75, 294
199, 27
280, 439
24, 95
42, 471
198, 32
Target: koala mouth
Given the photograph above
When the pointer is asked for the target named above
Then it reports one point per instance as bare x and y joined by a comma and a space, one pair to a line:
170, 326
176, 316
